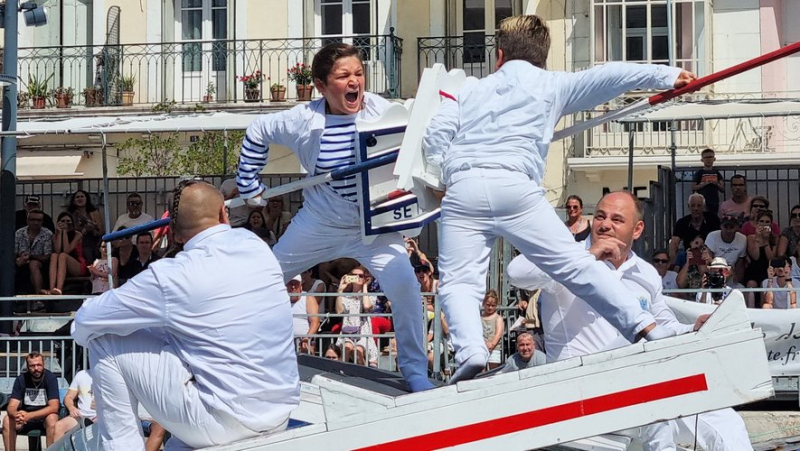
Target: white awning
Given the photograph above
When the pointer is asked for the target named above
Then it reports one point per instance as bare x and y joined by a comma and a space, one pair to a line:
682, 111
48, 166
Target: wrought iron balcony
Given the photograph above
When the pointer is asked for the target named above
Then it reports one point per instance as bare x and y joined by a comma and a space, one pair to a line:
188, 72
473, 52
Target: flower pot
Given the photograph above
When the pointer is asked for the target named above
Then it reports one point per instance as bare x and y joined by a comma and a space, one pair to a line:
93, 97
208, 98
304, 92
62, 101
277, 94
252, 95
127, 98
39, 102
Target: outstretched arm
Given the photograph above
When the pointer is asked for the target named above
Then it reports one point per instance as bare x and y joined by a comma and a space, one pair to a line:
270, 128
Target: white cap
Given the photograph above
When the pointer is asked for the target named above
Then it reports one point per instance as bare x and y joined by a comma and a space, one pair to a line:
297, 278
718, 263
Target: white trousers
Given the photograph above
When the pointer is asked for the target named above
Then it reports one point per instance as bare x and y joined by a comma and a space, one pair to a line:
719, 430
484, 204
143, 368
306, 242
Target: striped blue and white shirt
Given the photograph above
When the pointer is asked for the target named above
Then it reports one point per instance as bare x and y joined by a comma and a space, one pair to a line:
337, 150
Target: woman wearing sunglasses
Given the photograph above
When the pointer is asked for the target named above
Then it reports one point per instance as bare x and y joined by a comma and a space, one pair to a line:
579, 226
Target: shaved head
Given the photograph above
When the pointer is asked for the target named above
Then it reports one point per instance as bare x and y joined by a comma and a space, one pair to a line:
197, 206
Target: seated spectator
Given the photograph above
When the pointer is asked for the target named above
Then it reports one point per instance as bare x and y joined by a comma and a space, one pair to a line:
33, 405
761, 248
88, 221
427, 284
278, 219
124, 251
32, 203
579, 226
134, 216
708, 181
697, 259
416, 255
493, 329
332, 353
527, 356
79, 402
718, 276
529, 320
787, 243
257, 224
237, 215
729, 244
739, 203
101, 268
697, 222
445, 346
669, 278
331, 272
380, 305
757, 205
778, 276
356, 304
312, 284
33, 245
144, 256
67, 258
302, 306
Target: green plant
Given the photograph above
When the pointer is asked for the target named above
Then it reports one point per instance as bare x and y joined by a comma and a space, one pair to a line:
37, 87
276, 87
127, 82
301, 74
164, 107
252, 81
163, 155
60, 91
211, 89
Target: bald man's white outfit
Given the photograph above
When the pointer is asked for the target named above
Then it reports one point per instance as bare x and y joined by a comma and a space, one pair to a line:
203, 341
491, 144
572, 328
329, 224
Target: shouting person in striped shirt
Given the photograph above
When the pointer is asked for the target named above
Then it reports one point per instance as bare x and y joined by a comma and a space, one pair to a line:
322, 134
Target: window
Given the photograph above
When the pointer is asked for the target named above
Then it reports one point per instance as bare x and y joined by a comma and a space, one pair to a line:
481, 18
347, 21
636, 30
203, 20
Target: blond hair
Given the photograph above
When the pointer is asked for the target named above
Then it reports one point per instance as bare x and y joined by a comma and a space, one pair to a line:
524, 38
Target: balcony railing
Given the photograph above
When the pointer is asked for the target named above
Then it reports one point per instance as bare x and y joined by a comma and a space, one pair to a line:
475, 53
184, 71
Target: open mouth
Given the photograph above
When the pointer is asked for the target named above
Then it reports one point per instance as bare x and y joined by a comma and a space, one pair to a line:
351, 97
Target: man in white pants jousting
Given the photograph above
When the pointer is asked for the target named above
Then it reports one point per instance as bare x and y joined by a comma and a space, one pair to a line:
491, 143
203, 340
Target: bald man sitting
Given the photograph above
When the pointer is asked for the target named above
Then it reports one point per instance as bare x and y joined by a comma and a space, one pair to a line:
203, 340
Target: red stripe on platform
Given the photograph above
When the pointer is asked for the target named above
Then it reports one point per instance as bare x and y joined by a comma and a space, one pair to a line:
446, 95
547, 416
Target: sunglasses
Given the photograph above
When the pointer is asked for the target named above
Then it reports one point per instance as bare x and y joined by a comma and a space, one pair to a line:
134, 203
660, 260
794, 215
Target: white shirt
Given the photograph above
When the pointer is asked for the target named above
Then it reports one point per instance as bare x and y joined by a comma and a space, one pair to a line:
300, 323
732, 251
224, 308
128, 222
780, 299
82, 383
506, 119
300, 129
670, 280
572, 327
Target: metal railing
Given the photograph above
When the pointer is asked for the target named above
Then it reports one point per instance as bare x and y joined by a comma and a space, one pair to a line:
184, 71
473, 52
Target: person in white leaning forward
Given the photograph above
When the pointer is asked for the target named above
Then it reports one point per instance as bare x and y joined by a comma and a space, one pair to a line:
322, 134
572, 327
491, 144
203, 340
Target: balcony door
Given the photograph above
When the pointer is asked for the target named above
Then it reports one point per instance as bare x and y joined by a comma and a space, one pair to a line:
201, 28
476, 20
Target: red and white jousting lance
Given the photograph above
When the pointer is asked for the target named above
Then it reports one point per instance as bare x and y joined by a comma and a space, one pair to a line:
671, 94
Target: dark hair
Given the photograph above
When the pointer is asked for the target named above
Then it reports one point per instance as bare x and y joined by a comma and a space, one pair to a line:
326, 58
524, 38
765, 213
574, 197
131, 195
248, 226
89, 205
707, 150
149, 234
795, 207
34, 355
739, 176
65, 213
659, 251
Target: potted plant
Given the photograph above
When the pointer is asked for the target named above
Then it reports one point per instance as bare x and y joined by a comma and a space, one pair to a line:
23, 100
301, 75
210, 91
277, 92
62, 97
37, 90
252, 86
93, 96
127, 82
